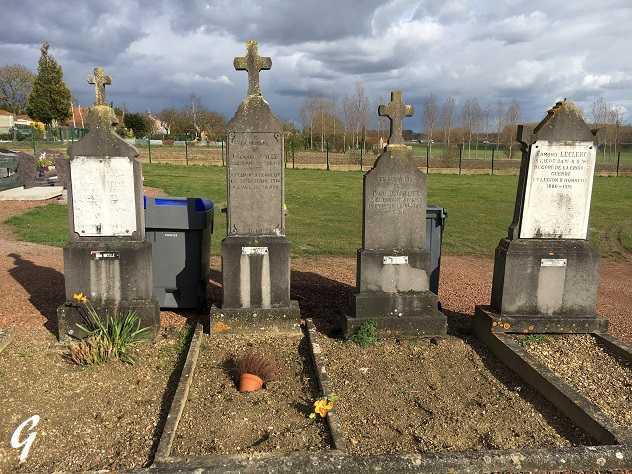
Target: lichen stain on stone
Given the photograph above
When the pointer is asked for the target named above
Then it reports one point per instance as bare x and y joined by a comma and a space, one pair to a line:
220, 326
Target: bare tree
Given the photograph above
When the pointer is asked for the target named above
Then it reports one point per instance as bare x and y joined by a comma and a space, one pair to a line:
500, 121
486, 123
447, 119
512, 118
360, 112
15, 86
430, 117
600, 111
380, 120
470, 120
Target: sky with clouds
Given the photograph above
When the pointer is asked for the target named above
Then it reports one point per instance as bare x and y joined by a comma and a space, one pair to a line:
159, 52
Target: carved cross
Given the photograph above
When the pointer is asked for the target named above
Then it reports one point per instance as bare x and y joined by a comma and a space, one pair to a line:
253, 63
99, 81
396, 110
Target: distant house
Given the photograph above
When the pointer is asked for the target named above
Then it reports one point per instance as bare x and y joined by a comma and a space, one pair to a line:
6, 121
79, 117
23, 121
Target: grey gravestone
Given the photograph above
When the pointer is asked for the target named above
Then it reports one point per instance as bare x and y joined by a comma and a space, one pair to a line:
255, 252
393, 274
546, 271
108, 258
27, 167
9, 177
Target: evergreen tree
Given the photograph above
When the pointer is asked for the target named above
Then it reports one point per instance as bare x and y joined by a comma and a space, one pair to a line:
50, 98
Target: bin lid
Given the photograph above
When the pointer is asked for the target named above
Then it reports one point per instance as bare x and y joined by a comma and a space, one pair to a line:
436, 211
200, 203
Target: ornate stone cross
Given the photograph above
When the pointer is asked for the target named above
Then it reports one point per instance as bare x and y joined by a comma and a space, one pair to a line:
396, 110
99, 81
253, 63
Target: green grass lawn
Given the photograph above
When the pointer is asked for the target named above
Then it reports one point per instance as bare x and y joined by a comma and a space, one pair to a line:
325, 208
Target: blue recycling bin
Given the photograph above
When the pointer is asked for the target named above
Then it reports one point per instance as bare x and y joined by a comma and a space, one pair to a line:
179, 230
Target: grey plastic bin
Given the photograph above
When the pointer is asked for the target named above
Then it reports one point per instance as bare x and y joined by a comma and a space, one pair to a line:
179, 230
435, 220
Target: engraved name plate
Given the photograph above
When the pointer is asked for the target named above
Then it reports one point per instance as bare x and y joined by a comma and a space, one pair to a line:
254, 250
553, 262
395, 260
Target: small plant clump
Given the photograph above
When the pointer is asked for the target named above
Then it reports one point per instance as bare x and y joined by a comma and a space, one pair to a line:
531, 339
259, 364
365, 335
106, 339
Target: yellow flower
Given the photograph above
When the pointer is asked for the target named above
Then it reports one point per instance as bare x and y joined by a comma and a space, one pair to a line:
322, 406
80, 297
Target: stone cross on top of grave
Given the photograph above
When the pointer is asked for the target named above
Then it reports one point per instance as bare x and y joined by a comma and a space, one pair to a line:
253, 63
396, 110
99, 81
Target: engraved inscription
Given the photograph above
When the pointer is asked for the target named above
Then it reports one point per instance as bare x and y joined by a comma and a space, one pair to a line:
103, 198
394, 196
255, 184
558, 190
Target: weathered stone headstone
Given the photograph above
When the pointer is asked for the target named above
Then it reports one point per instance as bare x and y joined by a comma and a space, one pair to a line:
27, 169
9, 177
108, 258
255, 252
24, 174
393, 274
546, 271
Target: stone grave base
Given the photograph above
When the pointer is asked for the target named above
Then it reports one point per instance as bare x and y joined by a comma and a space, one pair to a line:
486, 319
256, 271
70, 314
545, 276
614, 454
255, 320
406, 315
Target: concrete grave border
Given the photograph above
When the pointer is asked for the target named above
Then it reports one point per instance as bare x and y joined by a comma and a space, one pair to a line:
609, 456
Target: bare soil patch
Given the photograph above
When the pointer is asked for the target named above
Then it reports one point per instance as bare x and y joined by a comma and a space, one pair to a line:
217, 419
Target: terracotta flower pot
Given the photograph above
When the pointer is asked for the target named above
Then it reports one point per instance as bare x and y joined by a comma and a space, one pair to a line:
249, 383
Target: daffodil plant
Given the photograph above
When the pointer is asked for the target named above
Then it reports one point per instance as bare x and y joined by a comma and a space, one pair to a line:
322, 405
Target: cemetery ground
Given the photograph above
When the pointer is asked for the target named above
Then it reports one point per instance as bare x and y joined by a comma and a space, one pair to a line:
111, 416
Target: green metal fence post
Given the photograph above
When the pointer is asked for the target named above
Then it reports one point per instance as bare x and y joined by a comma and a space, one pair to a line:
492, 161
460, 157
618, 160
149, 148
33, 139
327, 156
186, 149
292, 154
222, 152
361, 153
427, 156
